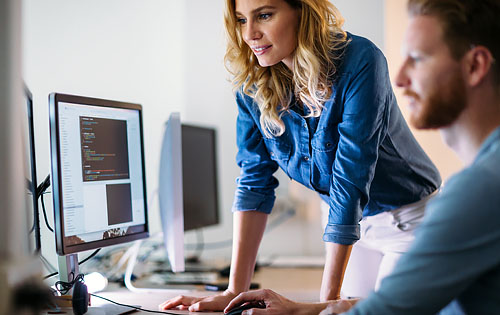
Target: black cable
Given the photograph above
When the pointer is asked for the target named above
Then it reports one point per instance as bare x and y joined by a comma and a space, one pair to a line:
45, 214
134, 307
90, 256
40, 189
63, 287
79, 263
51, 275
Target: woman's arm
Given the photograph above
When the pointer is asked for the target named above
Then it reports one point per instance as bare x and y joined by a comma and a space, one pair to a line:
248, 229
247, 233
337, 256
277, 304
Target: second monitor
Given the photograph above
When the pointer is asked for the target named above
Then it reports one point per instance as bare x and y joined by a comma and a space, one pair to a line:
199, 177
188, 188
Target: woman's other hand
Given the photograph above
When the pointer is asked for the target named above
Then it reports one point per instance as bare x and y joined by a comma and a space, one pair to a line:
198, 304
275, 304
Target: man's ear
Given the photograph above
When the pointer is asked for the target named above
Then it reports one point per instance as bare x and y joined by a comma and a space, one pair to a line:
478, 62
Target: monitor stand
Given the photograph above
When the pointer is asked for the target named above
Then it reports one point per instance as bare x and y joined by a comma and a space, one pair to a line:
68, 267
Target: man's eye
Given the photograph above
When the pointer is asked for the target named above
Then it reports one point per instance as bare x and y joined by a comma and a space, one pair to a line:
265, 16
415, 58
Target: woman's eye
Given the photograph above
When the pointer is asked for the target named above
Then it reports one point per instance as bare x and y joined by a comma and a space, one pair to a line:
241, 20
264, 16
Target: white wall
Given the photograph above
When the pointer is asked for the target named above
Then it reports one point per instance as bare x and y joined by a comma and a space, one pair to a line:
125, 50
168, 56
364, 17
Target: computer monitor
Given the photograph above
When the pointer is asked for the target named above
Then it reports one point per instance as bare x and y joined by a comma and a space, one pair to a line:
199, 177
188, 188
98, 173
30, 161
170, 193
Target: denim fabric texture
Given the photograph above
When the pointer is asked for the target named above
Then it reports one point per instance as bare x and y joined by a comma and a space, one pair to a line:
359, 155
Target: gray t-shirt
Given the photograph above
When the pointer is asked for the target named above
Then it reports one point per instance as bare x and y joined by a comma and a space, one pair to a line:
453, 267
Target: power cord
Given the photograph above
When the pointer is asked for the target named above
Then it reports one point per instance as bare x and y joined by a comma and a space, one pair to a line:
40, 191
79, 263
63, 287
45, 214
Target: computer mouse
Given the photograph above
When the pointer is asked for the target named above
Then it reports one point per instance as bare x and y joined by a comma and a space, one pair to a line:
239, 309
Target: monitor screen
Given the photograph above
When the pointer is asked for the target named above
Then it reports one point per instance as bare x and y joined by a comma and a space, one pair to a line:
199, 177
98, 173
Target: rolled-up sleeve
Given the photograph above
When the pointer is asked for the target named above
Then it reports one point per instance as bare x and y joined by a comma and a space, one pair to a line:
366, 95
256, 183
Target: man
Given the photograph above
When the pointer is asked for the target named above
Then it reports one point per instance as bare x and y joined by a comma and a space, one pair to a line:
451, 76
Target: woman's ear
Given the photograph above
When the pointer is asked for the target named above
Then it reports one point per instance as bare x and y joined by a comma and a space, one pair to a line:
478, 63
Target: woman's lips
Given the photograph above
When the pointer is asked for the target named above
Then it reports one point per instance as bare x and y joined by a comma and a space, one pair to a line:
260, 50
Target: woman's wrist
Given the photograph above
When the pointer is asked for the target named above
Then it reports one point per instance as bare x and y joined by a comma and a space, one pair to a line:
230, 293
237, 287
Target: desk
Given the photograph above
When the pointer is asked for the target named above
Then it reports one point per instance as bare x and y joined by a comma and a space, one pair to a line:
300, 284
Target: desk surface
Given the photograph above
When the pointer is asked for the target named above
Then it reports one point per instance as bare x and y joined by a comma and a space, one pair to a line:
300, 284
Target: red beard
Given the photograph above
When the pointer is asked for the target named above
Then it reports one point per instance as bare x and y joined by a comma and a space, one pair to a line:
444, 103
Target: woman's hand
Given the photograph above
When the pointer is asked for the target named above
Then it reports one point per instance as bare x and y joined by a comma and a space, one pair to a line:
197, 304
275, 304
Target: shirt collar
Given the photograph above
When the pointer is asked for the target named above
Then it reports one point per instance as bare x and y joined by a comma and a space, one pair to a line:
492, 140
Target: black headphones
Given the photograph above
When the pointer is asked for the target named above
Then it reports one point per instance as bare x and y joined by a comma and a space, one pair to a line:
80, 299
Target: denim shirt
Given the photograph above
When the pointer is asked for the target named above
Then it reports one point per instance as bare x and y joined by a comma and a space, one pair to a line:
359, 154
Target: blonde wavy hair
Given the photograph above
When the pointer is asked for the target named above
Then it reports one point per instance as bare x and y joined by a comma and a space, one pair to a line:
320, 42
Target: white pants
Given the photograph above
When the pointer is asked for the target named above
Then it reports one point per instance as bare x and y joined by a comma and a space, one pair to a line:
384, 238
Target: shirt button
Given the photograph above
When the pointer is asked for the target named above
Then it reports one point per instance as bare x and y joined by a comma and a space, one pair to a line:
305, 125
306, 158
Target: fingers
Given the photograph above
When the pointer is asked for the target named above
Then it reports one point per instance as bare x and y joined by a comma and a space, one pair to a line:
250, 296
213, 303
180, 301
201, 306
256, 311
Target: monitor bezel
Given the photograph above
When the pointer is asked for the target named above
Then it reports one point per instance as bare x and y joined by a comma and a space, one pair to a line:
61, 247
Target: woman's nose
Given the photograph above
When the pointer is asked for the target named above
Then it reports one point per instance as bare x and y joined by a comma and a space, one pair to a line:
251, 32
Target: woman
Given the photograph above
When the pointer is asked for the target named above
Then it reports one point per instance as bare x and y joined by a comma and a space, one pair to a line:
317, 102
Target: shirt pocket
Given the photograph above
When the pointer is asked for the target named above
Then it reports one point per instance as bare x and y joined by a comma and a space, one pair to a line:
279, 152
324, 147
